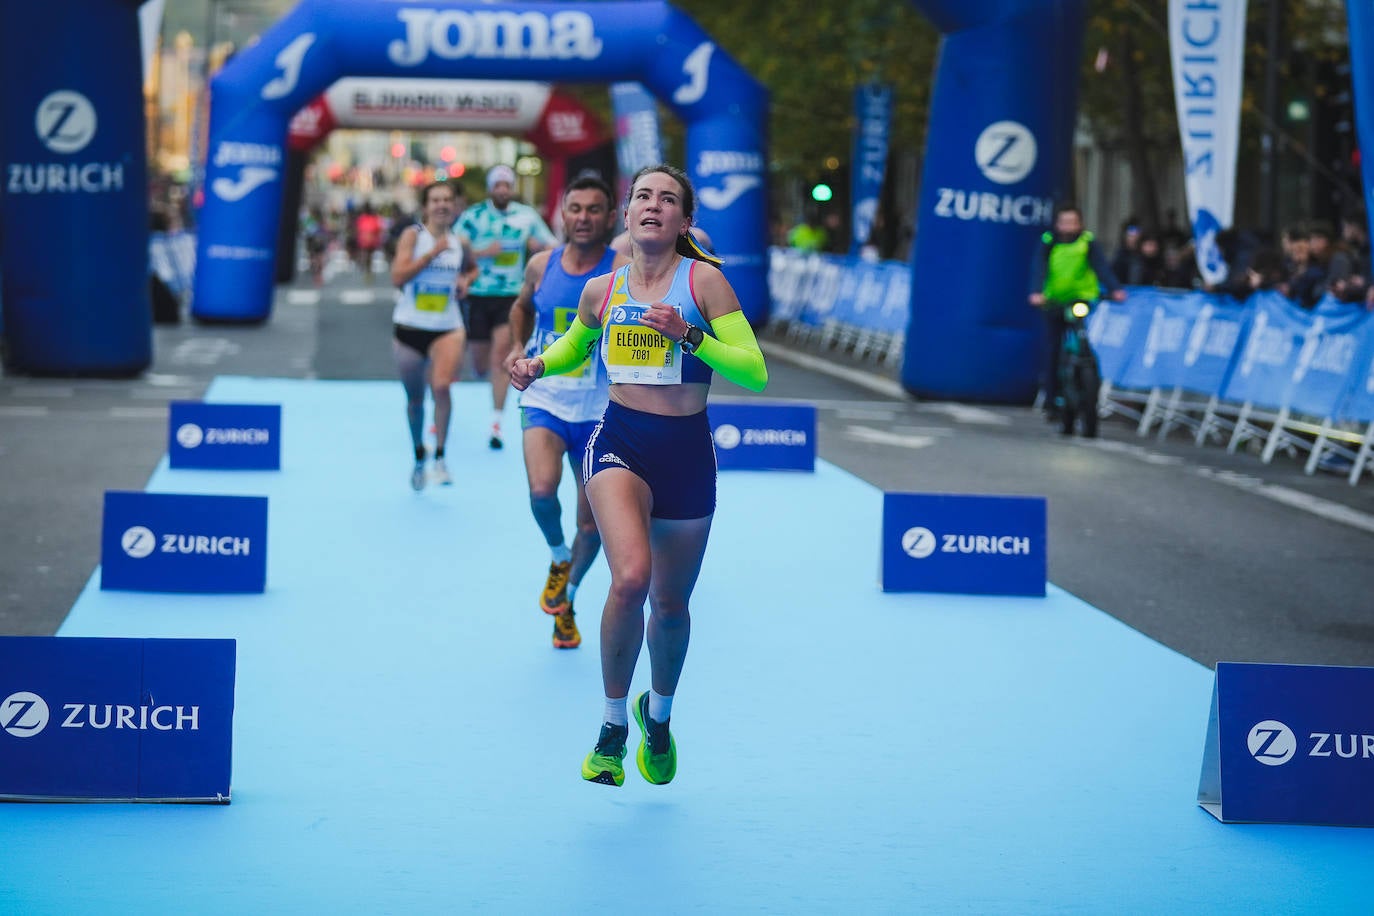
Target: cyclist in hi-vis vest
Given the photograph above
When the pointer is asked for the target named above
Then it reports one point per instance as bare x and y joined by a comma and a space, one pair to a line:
1068, 267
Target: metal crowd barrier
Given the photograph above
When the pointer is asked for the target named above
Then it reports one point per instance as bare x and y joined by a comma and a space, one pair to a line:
1262, 373
840, 304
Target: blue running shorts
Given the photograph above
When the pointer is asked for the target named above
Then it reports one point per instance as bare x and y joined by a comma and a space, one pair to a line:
673, 455
574, 435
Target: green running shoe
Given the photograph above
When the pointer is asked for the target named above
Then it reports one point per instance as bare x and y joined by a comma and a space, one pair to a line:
657, 755
605, 764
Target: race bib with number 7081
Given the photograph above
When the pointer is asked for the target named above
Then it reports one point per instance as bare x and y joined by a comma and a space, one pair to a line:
637, 354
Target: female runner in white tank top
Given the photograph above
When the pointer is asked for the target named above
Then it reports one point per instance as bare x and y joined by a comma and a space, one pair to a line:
432, 271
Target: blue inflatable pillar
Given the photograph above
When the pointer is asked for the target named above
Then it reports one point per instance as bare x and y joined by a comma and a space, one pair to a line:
74, 211
998, 156
1361, 31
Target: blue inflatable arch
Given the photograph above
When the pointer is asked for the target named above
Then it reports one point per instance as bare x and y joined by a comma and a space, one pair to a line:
252, 100
998, 156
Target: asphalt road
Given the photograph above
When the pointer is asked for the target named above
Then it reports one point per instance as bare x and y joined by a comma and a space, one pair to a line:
1218, 556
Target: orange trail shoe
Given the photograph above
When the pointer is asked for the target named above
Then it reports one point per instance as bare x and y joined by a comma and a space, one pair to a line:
554, 600
565, 635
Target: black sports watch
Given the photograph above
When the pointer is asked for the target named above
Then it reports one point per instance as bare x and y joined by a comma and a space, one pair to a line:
691, 338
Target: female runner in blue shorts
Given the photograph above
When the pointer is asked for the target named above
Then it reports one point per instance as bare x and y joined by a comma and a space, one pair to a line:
665, 321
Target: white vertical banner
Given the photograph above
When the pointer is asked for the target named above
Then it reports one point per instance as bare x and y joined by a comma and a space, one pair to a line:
872, 126
638, 140
1207, 48
149, 28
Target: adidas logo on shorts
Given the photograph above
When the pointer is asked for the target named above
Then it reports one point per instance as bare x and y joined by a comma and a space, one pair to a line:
612, 458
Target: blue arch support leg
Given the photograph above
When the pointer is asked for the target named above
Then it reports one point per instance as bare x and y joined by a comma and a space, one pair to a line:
74, 210
998, 155
1361, 30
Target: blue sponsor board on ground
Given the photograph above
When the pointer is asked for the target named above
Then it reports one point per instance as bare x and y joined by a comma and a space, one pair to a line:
1290, 744
761, 437
228, 437
116, 719
168, 542
964, 544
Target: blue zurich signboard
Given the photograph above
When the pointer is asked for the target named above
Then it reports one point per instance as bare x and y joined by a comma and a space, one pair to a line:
228, 437
1290, 744
116, 719
764, 436
964, 544
167, 542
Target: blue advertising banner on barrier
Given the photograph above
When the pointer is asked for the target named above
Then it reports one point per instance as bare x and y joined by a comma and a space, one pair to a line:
1325, 363
230, 437
823, 292
864, 305
789, 281
116, 719
1263, 373
1219, 328
964, 544
842, 307
167, 542
1359, 403
1290, 744
1159, 360
758, 437
1116, 330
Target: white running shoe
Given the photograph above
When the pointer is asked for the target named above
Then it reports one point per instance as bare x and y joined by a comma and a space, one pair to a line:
417, 477
439, 474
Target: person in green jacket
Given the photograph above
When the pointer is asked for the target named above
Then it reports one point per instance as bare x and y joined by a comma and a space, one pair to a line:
808, 235
1069, 266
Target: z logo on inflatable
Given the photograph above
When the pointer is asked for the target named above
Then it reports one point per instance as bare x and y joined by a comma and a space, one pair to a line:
289, 60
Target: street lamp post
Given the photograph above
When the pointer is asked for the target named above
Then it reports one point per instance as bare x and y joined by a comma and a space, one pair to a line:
1269, 174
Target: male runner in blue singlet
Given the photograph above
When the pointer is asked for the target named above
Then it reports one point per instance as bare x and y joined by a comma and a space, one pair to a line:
558, 413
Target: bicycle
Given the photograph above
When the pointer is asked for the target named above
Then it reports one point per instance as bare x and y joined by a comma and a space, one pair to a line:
1080, 379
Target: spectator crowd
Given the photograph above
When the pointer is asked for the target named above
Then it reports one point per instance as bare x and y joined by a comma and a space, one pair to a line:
1309, 261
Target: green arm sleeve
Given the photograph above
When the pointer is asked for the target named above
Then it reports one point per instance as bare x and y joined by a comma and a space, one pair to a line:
734, 352
569, 352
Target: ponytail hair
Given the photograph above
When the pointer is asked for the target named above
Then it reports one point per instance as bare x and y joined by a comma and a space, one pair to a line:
689, 247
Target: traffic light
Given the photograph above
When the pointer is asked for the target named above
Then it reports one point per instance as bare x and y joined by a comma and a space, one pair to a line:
821, 192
